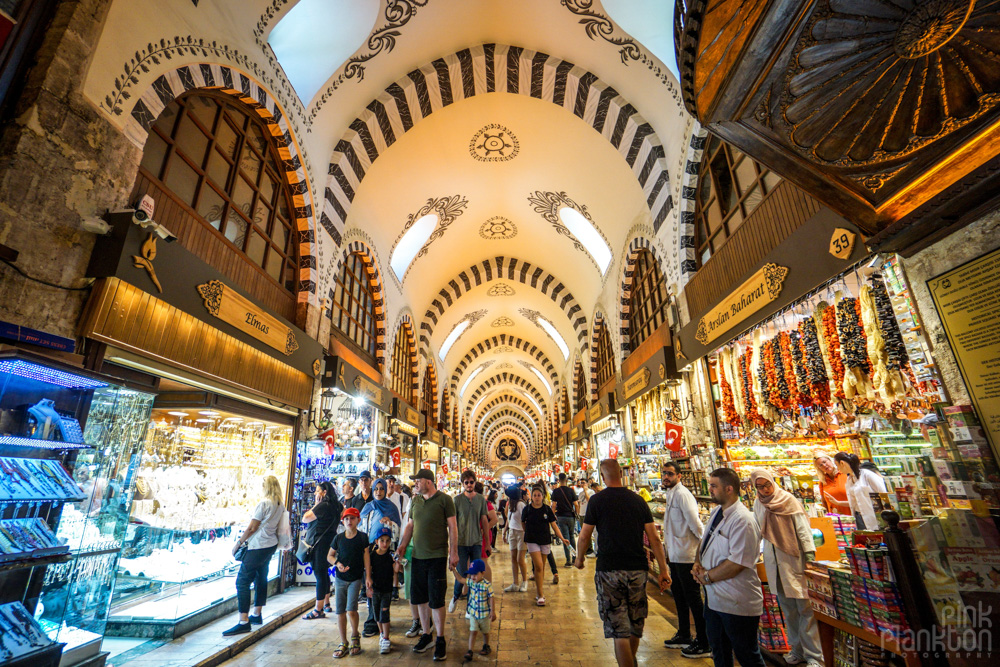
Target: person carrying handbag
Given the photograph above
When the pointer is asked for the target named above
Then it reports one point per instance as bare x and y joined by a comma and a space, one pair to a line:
254, 550
322, 519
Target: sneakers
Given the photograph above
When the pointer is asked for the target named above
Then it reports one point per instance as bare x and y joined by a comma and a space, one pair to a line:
414, 629
696, 651
452, 604
257, 620
424, 643
384, 645
238, 629
513, 588
486, 650
792, 659
678, 641
370, 630
523, 588
568, 564
440, 650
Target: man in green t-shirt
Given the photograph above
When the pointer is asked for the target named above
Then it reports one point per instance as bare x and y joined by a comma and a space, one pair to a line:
434, 531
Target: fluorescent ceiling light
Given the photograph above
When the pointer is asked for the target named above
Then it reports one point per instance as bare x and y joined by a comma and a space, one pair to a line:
411, 243
452, 337
471, 377
551, 331
316, 37
542, 378
586, 234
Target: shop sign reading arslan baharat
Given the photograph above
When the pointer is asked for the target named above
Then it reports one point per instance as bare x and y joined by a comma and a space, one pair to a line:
761, 289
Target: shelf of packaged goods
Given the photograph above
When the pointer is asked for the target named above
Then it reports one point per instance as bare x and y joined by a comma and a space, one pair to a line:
911, 658
765, 461
921, 446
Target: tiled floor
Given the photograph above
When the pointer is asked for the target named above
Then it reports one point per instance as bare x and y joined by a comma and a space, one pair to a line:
567, 632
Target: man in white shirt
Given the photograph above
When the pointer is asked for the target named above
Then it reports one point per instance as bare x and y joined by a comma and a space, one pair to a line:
395, 495
727, 567
682, 531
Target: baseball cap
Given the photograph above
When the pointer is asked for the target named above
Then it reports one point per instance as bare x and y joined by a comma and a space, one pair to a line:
365, 474
384, 531
423, 473
351, 511
477, 566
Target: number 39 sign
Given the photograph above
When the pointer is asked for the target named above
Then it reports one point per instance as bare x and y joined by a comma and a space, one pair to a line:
842, 243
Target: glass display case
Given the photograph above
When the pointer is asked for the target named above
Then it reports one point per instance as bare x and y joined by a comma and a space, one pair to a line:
197, 485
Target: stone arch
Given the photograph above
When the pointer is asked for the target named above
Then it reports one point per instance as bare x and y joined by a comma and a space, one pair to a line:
576, 384
495, 68
505, 377
526, 446
689, 194
241, 86
509, 424
486, 345
406, 322
625, 303
503, 412
599, 319
370, 260
430, 368
508, 467
508, 399
504, 268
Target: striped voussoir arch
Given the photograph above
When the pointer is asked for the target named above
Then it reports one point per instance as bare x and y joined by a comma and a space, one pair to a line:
370, 260
503, 378
578, 371
504, 413
527, 446
689, 192
432, 399
637, 244
595, 333
221, 78
504, 268
494, 68
509, 424
407, 323
484, 346
507, 399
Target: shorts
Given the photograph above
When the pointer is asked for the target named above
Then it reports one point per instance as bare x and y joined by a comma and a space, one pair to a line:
345, 595
516, 540
622, 602
429, 581
480, 625
544, 549
380, 603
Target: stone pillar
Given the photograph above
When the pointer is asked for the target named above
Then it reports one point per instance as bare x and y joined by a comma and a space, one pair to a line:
61, 161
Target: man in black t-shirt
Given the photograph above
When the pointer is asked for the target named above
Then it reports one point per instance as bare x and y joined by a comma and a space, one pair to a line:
621, 517
566, 505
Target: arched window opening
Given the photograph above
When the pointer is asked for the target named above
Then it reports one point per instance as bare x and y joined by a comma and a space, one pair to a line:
648, 299
428, 396
217, 160
730, 187
605, 355
353, 309
402, 365
580, 382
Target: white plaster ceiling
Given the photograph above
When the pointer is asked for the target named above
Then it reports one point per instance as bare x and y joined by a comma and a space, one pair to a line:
557, 151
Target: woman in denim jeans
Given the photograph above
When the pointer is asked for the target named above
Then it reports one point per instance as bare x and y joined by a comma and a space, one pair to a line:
261, 538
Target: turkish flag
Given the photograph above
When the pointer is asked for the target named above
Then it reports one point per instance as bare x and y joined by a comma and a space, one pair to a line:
444, 468
583, 463
329, 439
394, 456
673, 432
612, 451
566, 466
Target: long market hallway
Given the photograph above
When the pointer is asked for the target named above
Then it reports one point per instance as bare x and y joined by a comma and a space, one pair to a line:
567, 632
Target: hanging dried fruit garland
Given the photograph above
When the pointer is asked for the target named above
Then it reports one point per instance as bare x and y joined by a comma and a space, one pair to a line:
812, 355
895, 348
728, 404
854, 345
804, 398
749, 403
777, 389
833, 350
784, 352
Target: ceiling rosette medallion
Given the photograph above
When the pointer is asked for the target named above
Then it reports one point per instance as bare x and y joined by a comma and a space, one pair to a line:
885, 110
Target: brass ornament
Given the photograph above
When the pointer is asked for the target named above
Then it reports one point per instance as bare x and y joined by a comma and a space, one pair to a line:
148, 250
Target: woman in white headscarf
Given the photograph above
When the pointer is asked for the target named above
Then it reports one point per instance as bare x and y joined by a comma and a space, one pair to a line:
788, 545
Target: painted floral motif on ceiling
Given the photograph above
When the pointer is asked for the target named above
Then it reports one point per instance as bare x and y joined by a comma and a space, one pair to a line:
548, 204
500, 289
502, 349
494, 143
498, 228
447, 210
502, 321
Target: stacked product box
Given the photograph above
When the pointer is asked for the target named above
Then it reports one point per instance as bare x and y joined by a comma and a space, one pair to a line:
771, 633
820, 587
844, 526
876, 596
845, 649
870, 655
844, 596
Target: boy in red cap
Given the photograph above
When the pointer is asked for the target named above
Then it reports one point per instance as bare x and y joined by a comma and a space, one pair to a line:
349, 554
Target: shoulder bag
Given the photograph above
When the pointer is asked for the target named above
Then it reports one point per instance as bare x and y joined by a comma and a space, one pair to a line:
304, 554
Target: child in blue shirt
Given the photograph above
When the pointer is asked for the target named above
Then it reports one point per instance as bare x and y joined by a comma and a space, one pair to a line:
480, 606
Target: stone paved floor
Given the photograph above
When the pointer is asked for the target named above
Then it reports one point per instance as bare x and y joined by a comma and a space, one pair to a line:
567, 632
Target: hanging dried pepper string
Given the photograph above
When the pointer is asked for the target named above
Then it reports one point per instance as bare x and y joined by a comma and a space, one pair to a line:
753, 417
799, 369
728, 404
833, 348
777, 394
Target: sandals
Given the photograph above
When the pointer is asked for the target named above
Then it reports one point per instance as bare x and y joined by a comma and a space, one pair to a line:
555, 579
467, 657
355, 645
540, 602
328, 609
341, 651
313, 615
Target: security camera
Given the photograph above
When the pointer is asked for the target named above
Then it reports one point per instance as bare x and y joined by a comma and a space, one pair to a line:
162, 232
143, 214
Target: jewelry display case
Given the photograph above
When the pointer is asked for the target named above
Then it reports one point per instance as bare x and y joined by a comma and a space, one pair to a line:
199, 481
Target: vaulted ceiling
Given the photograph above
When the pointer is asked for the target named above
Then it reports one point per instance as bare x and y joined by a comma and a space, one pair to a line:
495, 116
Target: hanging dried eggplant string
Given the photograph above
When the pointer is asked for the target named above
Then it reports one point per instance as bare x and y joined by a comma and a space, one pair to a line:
799, 367
881, 384
815, 365
897, 358
853, 345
